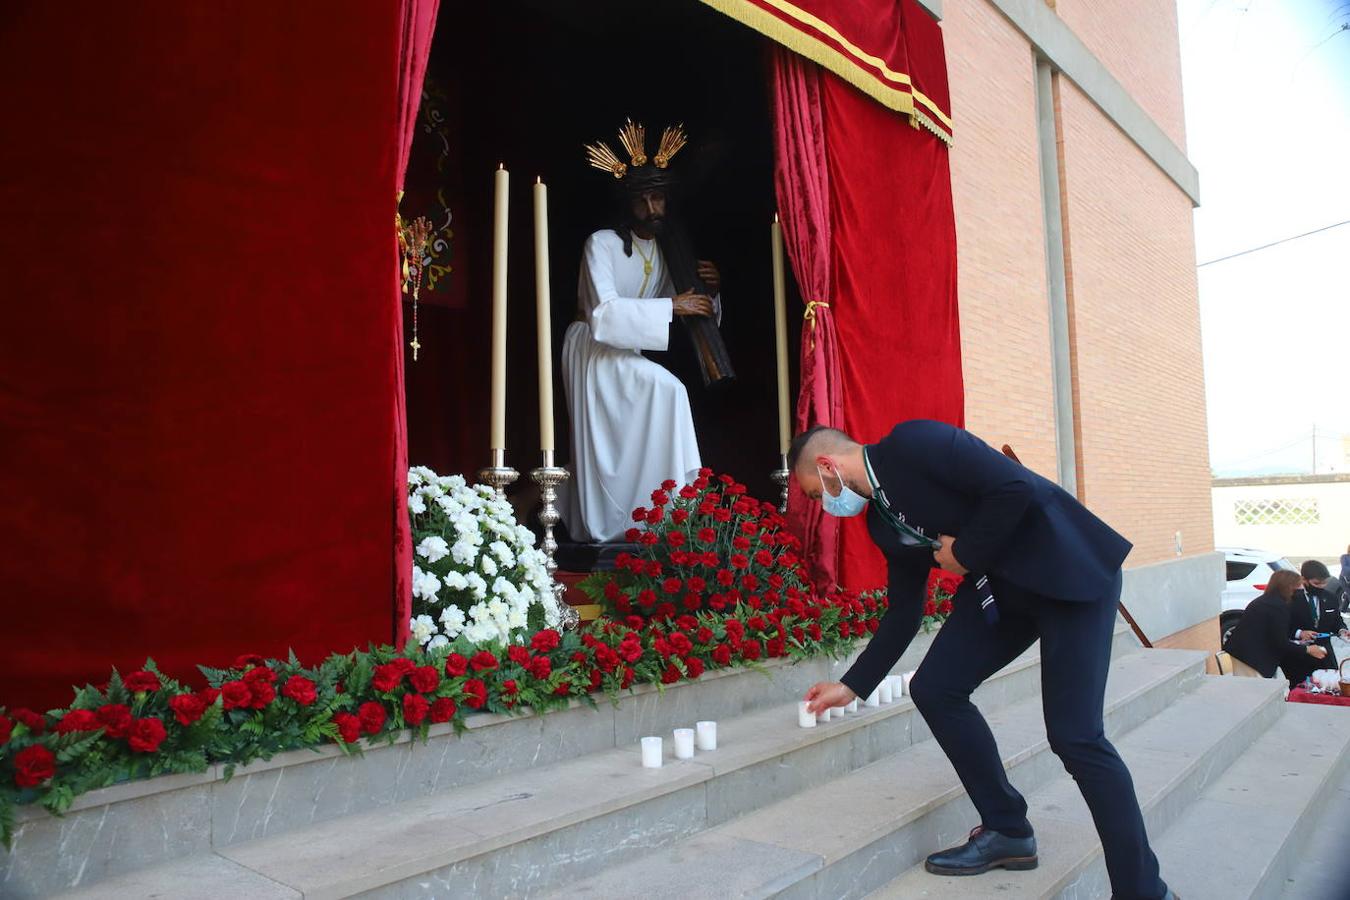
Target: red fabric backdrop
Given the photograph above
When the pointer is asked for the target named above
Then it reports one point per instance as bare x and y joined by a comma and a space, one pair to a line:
199, 397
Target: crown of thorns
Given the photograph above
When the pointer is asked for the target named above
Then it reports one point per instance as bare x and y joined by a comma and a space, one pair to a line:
633, 137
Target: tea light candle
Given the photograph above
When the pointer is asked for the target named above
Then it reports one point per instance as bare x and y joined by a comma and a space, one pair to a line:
884, 692
707, 735
874, 698
684, 743
853, 705
651, 753
805, 718
825, 715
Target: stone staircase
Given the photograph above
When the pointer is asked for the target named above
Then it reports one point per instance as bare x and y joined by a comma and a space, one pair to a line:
1232, 779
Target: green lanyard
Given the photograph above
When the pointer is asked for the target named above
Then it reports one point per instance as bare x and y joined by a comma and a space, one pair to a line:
910, 537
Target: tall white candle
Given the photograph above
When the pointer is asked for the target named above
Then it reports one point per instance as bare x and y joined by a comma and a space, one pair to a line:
707, 735
780, 333
684, 743
805, 718
651, 752
501, 188
543, 315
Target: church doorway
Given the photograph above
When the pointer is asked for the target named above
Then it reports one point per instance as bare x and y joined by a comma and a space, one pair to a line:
526, 83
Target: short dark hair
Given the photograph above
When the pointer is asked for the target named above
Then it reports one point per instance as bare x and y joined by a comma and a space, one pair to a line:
1313, 569
799, 444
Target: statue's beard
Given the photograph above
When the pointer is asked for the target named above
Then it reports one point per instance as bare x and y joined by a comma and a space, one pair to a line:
655, 225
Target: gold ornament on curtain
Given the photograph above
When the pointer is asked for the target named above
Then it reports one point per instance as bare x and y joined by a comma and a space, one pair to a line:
413, 238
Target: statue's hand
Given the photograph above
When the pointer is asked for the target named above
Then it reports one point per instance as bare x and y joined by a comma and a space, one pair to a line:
692, 304
711, 277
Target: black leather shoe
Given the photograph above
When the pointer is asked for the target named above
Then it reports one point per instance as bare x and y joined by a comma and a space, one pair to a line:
984, 851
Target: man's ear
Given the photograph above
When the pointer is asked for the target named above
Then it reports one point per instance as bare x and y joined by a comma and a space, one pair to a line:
826, 465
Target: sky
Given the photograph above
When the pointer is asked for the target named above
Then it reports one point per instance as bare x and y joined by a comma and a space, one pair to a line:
1267, 94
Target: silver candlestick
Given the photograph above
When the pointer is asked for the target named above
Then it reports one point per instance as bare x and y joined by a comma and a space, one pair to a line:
548, 476
499, 475
780, 478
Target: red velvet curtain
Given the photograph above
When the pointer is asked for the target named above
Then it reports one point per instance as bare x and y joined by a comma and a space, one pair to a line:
419, 23
894, 238
802, 181
199, 420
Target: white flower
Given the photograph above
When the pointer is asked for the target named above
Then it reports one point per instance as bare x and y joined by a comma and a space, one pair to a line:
464, 552
489, 566
425, 584
503, 553
479, 613
515, 619
438, 642
422, 628
416, 505
433, 548
477, 585
452, 618
455, 581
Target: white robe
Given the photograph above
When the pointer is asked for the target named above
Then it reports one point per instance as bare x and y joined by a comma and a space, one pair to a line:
631, 424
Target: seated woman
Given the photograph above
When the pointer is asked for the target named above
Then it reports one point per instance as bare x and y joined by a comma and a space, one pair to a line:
1262, 639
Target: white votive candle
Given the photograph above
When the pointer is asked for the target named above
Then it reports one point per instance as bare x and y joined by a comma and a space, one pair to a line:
853, 705
909, 676
684, 743
651, 753
825, 715
884, 692
707, 735
805, 718
874, 698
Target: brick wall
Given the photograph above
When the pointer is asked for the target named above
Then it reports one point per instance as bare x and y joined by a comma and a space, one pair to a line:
1136, 337
1005, 331
1138, 42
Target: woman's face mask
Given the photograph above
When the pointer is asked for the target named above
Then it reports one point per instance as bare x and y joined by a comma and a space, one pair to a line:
844, 504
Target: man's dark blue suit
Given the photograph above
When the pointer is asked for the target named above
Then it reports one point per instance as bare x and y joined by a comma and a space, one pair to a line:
1054, 569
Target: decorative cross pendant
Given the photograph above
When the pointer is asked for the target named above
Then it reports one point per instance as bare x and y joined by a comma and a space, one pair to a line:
415, 347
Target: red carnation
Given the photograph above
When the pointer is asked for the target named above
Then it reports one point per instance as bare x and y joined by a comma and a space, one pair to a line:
675, 538
425, 679
475, 693
649, 539
387, 677
815, 632
455, 665
631, 651
680, 643
483, 661
688, 492
725, 577
146, 735
187, 708
263, 694
443, 710
540, 667
77, 720
33, 765
929, 608
595, 680
671, 674
741, 543
243, 661
764, 558
654, 515
721, 515
415, 708
235, 694
510, 688
545, 641
116, 720
640, 514
260, 675
679, 516
944, 608
210, 695
646, 598
518, 655
628, 676
672, 585
694, 666
776, 647
722, 655
740, 561
36, 723
300, 689
735, 629
606, 658
141, 681
631, 535
707, 535
751, 650
563, 689
668, 484
6, 728
660, 498
372, 716
349, 726
704, 635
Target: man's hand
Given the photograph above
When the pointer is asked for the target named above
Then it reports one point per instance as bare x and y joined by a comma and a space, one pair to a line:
945, 559
711, 277
827, 695
1345, 634
692, 304
1317, 652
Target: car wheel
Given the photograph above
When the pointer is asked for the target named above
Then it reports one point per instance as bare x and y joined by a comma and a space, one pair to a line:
1226, 626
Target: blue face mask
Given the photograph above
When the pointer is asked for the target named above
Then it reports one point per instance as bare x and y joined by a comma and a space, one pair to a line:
845, 504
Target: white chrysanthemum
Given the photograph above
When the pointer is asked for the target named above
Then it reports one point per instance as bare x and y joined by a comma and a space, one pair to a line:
477, 585
455, 581
425, 584
438, 642
422, 628
515, 619
452, 482
433, 548
452, 618
416, 505
464, 552
489, 565
503, 553
479, 613
524, 536
498, 608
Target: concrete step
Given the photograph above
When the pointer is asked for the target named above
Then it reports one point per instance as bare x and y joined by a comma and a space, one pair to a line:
1174, 758
1321, 868
549, 823
844, 837
1250, 834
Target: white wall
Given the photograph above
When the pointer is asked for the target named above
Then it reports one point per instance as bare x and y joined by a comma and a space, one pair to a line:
1327, 538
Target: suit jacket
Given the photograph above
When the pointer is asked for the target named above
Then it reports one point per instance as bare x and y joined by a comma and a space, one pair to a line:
1328, 619
1008, 522
1261, 638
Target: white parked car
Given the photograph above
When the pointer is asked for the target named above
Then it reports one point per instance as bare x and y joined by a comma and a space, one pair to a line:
1248, 574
